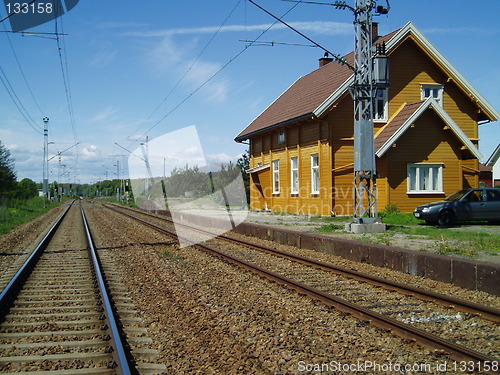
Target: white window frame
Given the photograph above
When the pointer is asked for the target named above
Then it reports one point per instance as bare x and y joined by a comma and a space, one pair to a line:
381, 98
424, 178
281, 136
294, 164
315, 174
276, 176
436, 91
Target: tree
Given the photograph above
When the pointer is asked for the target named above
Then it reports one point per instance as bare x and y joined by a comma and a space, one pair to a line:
27, 189
187, 180
243, 164
7, 174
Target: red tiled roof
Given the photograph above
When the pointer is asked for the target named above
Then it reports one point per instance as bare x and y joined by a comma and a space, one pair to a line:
304, 96
399, 120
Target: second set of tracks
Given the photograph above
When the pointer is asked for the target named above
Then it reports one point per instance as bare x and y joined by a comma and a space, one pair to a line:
62, 312
467, 332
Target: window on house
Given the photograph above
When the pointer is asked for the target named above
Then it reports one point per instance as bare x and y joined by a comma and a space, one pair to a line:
295, 175
315, 174
276, 176
425, 178
281, 136
434, 91
381, 105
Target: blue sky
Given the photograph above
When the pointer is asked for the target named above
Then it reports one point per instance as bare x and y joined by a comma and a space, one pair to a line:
141, 68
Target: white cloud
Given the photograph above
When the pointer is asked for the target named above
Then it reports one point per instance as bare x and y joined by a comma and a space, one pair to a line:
105, 115
103, 58
317, 27
91, 153
220, 158
175, 62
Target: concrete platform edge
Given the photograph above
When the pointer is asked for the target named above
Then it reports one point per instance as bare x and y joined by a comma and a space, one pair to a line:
465, 273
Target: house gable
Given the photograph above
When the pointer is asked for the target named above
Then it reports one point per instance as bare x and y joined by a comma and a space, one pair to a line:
492, 160
409, 30
315, 94
410, 113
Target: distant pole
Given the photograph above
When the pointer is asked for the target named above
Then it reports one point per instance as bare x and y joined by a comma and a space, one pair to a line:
45, 182
120, 181
59, 180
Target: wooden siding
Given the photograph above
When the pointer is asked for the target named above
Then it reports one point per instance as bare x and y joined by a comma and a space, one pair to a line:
410, 67
302, 141
427, 141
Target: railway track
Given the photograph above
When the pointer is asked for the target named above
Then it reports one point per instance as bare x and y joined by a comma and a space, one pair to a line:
403, 309
57, 314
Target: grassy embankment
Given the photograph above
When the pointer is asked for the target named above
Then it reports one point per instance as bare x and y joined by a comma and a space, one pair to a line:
15, 212
467, 240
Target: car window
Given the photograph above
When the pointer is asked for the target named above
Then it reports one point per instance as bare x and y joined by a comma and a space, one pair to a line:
456, 196
493, 195
474, 196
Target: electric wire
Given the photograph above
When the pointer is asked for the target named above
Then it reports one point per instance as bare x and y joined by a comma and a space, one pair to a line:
25, 5
190, 67
22, 73
218, 71
17, 102
337, 57
67, 88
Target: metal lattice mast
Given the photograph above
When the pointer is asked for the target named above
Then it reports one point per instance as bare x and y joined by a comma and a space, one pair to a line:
365, 173
45, 180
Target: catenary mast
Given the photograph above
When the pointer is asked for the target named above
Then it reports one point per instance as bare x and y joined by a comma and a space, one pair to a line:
362, 91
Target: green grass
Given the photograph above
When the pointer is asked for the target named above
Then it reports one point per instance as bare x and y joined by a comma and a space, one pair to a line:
446, 240
171, 256
16, 212
399, 218
328, 228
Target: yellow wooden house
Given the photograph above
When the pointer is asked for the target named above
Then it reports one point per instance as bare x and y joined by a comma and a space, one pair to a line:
426, 134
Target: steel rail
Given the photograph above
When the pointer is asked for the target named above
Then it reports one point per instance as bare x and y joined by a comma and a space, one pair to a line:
486, 312
121, 356
12, 288
457, 352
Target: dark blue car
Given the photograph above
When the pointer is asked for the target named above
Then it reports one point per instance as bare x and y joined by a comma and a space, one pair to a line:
464, 205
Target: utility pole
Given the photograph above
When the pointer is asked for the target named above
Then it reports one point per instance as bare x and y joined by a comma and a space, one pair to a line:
59, 153
366, 68
45, 180
365, 218
118, 177
117, 165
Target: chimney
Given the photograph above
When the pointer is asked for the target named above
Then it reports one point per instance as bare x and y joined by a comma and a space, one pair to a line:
374, 31
325, 60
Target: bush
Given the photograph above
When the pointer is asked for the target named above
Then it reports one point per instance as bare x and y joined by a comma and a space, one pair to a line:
392, 208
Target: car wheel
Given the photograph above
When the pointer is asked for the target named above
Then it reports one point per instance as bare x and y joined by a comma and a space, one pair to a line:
446, 218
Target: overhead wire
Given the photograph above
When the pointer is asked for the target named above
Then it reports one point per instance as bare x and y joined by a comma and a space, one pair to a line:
24, 5
219, 70
12, 93
67, 87
22, 72
191, 66
19, 105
